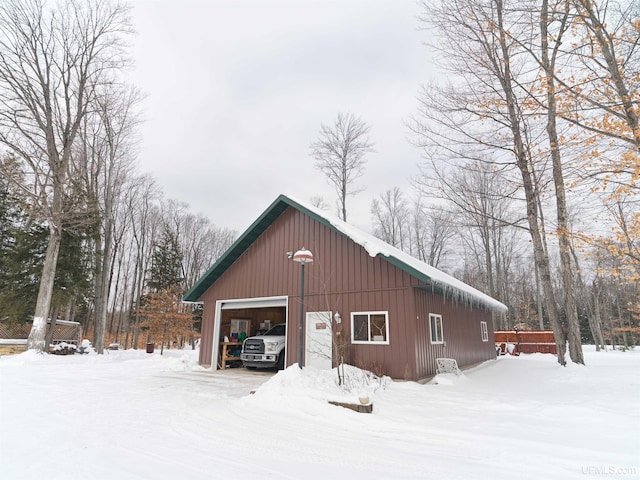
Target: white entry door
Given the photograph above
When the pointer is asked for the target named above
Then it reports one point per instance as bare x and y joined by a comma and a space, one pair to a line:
318, 342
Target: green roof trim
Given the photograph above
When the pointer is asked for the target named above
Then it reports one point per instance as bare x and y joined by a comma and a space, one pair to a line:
250, 235
236, 249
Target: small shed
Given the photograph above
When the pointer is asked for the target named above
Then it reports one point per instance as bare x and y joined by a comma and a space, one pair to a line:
393, 313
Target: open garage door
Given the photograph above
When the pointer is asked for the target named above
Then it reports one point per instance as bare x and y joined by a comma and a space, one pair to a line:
269, 302
237, 319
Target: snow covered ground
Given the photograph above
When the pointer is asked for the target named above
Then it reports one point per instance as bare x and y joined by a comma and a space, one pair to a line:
133, 415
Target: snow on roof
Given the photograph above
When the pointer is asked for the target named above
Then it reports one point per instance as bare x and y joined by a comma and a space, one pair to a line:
374, 247
449, 286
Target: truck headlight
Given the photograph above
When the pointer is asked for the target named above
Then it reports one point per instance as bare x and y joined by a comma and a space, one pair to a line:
270, 347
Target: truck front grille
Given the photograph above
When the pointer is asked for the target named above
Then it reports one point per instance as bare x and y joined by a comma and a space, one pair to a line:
253, 346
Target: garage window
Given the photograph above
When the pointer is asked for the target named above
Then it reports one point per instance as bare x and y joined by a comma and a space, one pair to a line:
484, 331
435, 327
370, 327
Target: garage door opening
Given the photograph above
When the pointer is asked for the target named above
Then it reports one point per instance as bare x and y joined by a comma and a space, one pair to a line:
237, 320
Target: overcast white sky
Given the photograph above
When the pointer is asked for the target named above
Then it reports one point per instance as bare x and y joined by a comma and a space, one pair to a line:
237, 91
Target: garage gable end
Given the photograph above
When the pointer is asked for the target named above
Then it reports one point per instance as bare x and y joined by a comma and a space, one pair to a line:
256, 229
238, 248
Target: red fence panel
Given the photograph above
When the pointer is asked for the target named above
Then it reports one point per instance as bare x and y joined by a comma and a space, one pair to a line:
527, 341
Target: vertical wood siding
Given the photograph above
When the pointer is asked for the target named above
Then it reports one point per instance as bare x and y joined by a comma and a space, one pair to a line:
344, 278
461, 331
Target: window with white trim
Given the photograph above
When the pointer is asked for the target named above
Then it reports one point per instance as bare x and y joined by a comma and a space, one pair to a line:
370, 327
484, 331
435, 328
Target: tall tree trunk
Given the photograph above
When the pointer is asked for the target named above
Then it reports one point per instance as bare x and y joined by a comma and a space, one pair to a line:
38, 331
625, 344
121, 311
100, 307
595, 323
568, 278
538, 298
488, 257
139, 286
53, 54
102, 283
531, 194
591, 302
343, 193
116, 293
135, 336
52, 329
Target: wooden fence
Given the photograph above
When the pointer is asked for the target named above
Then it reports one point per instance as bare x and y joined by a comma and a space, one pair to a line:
13, 337
526, 341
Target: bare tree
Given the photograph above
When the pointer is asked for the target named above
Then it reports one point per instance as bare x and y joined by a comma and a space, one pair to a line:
108, 137
550, 45
480, 199
200, 242
51, 59
391, 214
339, 154
486, 115
433, 230
590, 301
318, 202
141, 199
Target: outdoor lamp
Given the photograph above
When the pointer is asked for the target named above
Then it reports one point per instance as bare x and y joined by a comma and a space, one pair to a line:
302, 256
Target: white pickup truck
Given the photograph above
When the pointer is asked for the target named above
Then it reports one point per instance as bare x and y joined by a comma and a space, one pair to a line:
266, 350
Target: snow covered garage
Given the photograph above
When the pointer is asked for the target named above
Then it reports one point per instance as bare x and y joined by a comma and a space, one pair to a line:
395, 313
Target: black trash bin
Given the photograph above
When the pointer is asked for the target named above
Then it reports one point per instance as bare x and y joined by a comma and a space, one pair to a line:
150, 347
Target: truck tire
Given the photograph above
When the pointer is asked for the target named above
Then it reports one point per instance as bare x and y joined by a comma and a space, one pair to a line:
280, 365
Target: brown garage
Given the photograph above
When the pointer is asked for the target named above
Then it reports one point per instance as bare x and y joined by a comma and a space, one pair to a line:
395, 313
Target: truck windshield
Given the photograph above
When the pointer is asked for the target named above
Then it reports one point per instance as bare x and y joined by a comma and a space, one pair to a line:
278, 330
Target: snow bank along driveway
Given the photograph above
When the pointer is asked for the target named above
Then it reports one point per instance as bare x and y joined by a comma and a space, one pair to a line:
130, 415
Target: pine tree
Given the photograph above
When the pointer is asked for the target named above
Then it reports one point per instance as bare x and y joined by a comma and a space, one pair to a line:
22, 245
22, 250
7, 219
166, 264
20, 269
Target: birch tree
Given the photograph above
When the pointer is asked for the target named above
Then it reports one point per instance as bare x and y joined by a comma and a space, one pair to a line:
52, 55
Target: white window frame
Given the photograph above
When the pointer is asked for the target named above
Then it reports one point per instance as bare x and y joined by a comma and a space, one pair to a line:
484, 331
434, 317
370, 342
